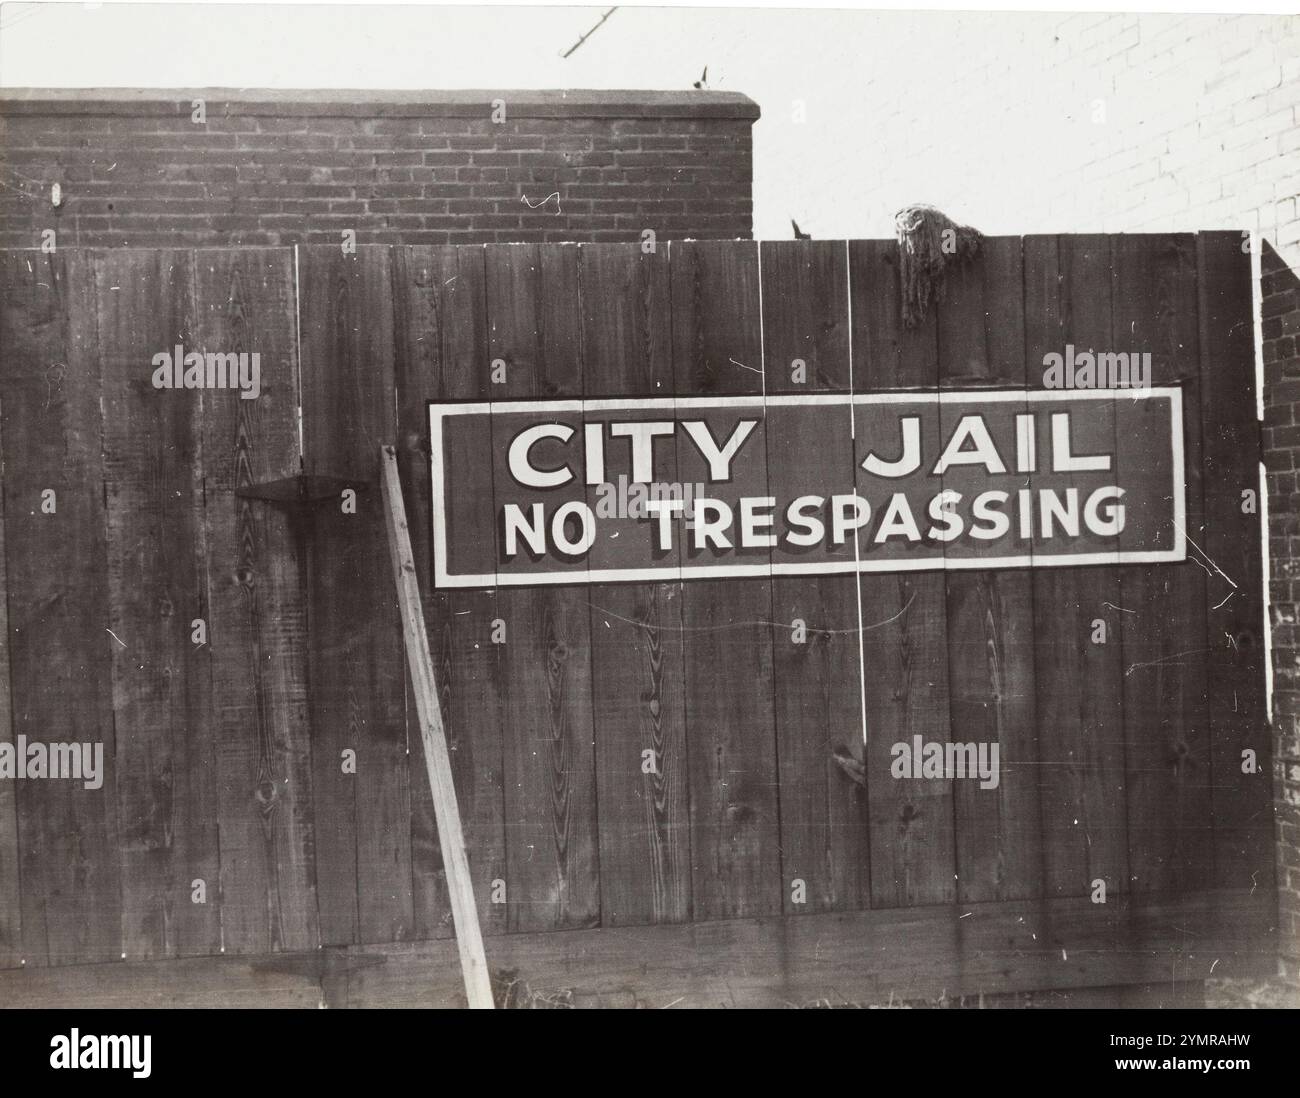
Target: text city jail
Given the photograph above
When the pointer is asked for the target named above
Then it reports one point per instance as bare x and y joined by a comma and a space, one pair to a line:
715, 522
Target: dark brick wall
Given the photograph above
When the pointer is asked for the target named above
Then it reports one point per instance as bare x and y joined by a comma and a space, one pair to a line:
410, 167
1280, 311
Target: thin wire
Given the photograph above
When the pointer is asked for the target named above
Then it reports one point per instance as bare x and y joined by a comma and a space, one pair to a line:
17, 190
762, 346
747, 624
25, 178
857, 559
297, 335
35, 10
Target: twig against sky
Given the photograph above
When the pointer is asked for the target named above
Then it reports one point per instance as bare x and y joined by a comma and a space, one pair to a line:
593, 30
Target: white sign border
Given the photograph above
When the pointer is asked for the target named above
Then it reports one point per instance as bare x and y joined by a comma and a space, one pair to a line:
442, 580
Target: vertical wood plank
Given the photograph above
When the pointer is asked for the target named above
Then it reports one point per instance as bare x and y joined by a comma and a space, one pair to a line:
11, 917
1171, 843
905, 624
533, 318
818, 680
257, 628
990, 614
157, 587
1242, 809
356, 669
1077, 681
735, 821
589, 677
58, 603
440, 353
637, 668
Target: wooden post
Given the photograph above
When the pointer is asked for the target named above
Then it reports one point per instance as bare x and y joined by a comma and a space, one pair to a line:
469, 936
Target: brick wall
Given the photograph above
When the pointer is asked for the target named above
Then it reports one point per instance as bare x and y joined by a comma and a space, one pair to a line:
1044, 123
135, 169
1280, 309
1280, 328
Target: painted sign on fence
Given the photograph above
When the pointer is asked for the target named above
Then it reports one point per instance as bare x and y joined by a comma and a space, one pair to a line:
558, 697
573, 491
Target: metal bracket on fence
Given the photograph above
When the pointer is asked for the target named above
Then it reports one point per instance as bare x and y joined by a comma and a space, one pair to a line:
302, 490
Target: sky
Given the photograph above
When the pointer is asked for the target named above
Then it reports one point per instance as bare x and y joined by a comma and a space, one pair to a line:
806, 169
863, 112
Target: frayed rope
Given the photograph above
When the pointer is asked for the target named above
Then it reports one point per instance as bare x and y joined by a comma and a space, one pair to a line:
928, 241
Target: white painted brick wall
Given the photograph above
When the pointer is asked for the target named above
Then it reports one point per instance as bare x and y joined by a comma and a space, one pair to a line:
991, 118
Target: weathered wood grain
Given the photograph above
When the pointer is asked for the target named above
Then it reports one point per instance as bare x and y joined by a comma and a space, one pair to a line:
1080, 719
363, 847
863, 958
440, 353
11, 912
637, 642
57, 572
990, 614
162, 698
730, 725
1171, 842
533, 326
770, 962
177, 983
817, 688
258, 623
905, 623
546, 731
1241, 802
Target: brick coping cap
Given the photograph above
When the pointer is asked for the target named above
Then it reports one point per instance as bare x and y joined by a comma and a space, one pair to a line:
379, 104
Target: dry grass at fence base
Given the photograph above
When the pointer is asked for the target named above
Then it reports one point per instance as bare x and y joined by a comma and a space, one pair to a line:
511, 992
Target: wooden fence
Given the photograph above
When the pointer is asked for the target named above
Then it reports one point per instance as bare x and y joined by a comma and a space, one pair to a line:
226, 760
